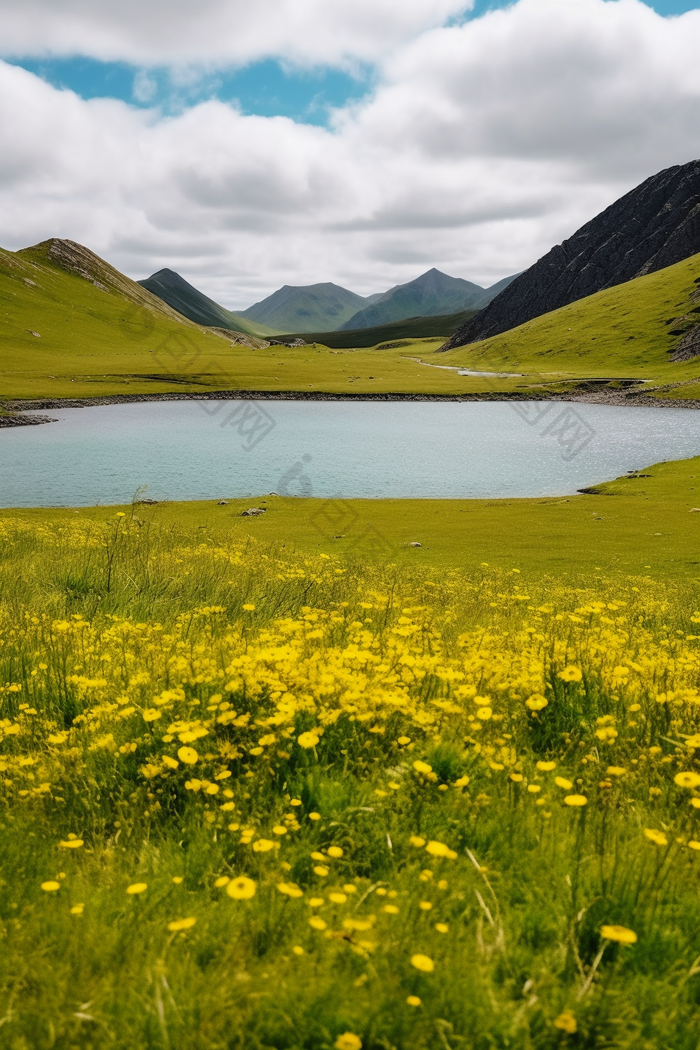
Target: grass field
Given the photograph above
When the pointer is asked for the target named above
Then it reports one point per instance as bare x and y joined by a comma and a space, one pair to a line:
264, 791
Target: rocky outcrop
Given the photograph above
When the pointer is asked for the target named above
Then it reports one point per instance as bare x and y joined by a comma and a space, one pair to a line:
688, 328
655, 225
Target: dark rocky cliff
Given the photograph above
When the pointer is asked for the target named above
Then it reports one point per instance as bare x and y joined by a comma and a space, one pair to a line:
652, 226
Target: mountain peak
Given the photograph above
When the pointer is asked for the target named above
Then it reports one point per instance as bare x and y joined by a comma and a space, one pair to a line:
77, 259
306, 308
431, 294
182, 296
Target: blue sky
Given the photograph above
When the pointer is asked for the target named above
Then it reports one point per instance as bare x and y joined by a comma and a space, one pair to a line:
263, 88
266, 88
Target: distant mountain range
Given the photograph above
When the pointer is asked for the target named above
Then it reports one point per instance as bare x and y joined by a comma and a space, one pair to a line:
431, 294
326, 307
306, 309
187, 300
653, 226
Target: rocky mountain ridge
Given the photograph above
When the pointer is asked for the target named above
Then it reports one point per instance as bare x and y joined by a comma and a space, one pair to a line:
651, 227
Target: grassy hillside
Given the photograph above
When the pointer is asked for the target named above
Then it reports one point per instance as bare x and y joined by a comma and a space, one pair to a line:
306, 309
188, 300
631, 330
411, 328
257, 797
70, 324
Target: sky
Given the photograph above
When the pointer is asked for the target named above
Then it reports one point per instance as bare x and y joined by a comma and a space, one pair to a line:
360, 141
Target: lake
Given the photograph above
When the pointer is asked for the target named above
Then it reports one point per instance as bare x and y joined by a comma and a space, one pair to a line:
182, 450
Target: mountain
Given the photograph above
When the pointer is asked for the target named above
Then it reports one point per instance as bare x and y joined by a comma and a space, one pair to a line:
410, 328
187, 300
651, 227
314, 307
431, 294
74, 258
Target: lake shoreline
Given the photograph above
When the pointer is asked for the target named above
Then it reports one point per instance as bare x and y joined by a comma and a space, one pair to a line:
16, 407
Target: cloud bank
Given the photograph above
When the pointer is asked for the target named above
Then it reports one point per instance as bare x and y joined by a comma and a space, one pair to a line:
166, 32
482, 145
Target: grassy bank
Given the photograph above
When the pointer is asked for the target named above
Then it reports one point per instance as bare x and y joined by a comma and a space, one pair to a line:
640, 524
263, 791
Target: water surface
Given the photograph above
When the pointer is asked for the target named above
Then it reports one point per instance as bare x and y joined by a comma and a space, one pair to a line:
184, 450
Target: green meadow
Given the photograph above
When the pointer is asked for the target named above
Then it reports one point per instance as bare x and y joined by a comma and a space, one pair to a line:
266, 789
62, 335
629, 331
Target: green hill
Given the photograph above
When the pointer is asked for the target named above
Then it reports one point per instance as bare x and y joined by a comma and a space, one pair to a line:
316, 307
410, 328
71, 324
648, 328
188, 300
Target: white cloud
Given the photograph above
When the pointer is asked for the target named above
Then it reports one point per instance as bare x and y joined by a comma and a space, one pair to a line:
165, 32
483, 145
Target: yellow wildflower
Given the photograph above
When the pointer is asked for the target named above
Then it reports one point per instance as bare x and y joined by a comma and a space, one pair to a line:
687, 780
566, 1022
657, 837
439, 849
570, 674
188, 755
290, 889
618, 933
348, 1040
181, 924
241, 888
